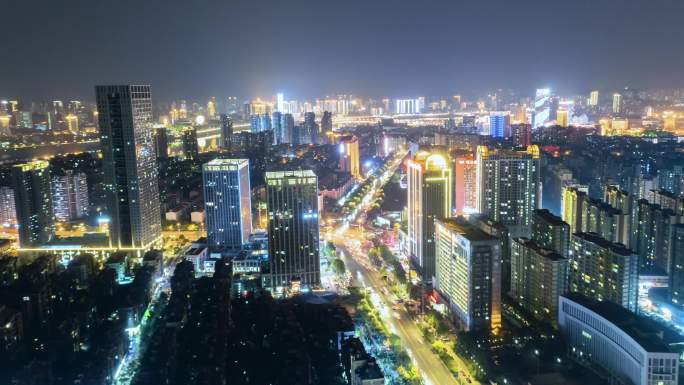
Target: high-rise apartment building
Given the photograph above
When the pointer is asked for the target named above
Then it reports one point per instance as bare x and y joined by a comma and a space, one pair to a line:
677, 266
468, 274
538, 277
130, 165
33, 202
584, 214
227, 203
603, 270
8, 211
653, 233
430, 197
508, 186
521, 134
70, 196
549, 231
293, 229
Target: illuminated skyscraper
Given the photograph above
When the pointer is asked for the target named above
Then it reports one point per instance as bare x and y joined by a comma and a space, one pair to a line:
409, 106
33, 201
499, 125
562, 118
542, 107
465, 184
430, 197
130, 164
70, 196
287, 129
277, 126
593, 98
309, 129
349, 155
227, 201
280, 102
468, 274
211, 108
617, 103
8, 210
293, 231
508, 186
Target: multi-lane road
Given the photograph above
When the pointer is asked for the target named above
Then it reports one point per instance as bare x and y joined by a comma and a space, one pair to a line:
428, 363
400, 323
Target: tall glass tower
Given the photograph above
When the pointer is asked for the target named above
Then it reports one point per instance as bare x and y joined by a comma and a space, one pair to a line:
227, 201
33, 201
130, 166
293, 227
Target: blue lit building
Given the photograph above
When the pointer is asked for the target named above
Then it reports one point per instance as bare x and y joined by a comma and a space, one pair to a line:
499, 125
228, 208
277, 124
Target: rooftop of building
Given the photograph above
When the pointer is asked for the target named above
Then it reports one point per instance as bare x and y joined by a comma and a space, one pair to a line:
290, 174
617, 248
466, 229
221, 162
548, 216
543, 251
646, 332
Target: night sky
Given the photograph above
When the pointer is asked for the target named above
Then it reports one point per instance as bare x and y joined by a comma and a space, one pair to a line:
308, 48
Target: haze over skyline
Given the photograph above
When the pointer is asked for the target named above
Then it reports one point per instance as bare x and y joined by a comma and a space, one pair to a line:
374, 48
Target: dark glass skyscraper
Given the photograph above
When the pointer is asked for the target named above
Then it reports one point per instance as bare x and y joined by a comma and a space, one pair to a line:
227, 203
293, 227
33, 201
130, 168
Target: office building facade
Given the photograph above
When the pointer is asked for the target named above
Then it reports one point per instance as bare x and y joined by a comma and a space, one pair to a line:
130, 165
293, 227
227, 203
33, 202
468, 274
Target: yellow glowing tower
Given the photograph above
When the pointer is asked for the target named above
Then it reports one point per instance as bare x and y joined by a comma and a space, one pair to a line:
430, 197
